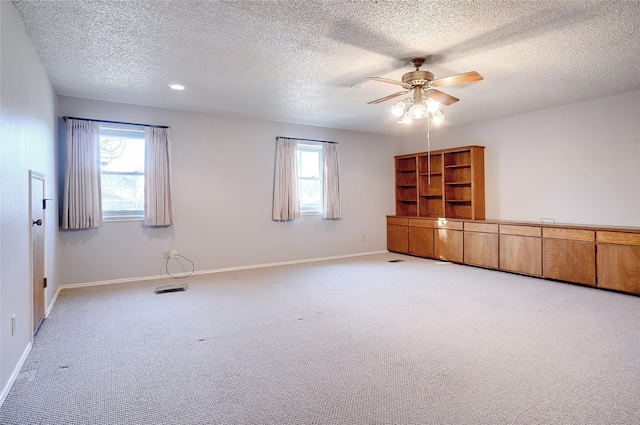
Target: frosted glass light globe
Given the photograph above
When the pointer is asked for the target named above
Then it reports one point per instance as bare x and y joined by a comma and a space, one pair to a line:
418, 111
398, 109
432, 105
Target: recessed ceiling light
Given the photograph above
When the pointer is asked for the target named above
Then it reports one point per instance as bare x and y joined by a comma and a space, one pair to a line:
176, 86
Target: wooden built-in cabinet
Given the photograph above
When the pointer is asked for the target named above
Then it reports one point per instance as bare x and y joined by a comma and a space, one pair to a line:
481, 244
447, 240
447, 183
603, 257
569, 254
521, 249
421, 237
398, 234
619, 261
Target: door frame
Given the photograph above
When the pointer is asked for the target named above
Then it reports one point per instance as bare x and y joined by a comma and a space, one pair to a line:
34, 175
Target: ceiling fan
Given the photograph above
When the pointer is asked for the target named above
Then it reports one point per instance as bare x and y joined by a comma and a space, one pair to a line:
426, 98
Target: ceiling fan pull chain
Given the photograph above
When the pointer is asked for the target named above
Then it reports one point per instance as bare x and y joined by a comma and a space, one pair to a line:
428, 152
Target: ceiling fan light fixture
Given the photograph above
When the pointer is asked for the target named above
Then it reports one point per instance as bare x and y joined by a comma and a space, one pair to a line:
406, 119
438, 117
432, 105
418, 111
398, 109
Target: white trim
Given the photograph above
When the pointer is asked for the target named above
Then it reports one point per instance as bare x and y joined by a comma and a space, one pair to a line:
14, 374
53, 301
227, 269
116, 218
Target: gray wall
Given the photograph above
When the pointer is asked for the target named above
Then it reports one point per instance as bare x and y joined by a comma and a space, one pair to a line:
576, 163
223, 171
27, 133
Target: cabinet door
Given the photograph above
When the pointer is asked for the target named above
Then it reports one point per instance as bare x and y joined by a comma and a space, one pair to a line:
521, 254
421, 241
448, 245
573, 261
481, 249
619, 267
398, 238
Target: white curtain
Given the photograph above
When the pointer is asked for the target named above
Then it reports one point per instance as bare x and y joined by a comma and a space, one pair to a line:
332, 209
157, 178
82, 206
285, 186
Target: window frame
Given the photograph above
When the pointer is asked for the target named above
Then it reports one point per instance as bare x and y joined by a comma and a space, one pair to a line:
316, 148
130, 132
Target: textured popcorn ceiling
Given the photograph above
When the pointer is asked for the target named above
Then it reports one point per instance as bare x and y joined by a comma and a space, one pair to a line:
296, 61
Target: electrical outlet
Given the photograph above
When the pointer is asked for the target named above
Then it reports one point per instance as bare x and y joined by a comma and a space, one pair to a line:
174, 253
167, 254
13, 324
364, 238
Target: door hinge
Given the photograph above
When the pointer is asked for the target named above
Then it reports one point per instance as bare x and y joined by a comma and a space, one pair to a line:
45, 282
44, 203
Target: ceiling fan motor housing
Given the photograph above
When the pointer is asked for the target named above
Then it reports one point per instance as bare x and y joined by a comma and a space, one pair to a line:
417, 78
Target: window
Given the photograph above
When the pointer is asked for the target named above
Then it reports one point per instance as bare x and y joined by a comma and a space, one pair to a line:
310, 167
122, 171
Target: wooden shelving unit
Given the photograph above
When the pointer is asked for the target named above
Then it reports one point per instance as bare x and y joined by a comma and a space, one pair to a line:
445, 183
406, 186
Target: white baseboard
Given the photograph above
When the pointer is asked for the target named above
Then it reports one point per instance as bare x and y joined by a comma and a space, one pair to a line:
53, 301
285, 263
199, 272
14, 374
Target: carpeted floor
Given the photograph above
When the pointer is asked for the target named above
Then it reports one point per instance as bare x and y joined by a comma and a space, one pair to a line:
355, 341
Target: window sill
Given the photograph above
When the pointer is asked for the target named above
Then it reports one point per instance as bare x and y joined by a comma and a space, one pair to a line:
115, 218
305, 213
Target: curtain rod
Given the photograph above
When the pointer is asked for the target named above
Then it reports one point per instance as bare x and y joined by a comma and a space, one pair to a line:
117, 122
306, 140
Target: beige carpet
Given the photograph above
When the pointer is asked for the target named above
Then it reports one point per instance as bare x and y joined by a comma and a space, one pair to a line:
355, 341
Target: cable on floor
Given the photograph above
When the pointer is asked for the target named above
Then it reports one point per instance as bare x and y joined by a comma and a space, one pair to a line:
166, 267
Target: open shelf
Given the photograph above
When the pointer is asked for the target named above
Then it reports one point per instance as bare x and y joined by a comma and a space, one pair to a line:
442, 183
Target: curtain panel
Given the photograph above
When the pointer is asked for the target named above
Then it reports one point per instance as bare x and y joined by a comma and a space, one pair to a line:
82, 204
332, 208
157, 178
285, 186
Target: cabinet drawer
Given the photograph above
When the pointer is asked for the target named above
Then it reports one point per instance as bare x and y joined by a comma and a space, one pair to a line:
398, 221
447, 245
481, 249
618, 238
480, 227
619, 267
417, 222
521, 254
507, 229
421, 241
569, 234
443, 223
398, 238
570, 260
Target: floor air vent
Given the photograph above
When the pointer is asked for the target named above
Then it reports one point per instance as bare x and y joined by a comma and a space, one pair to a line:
396, 261
170, 288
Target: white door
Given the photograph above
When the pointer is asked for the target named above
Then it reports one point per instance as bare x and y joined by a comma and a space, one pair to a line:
36, 188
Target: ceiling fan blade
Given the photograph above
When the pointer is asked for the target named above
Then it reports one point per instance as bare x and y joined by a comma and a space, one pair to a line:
441, 97
467, 77
386, 80
391, 96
